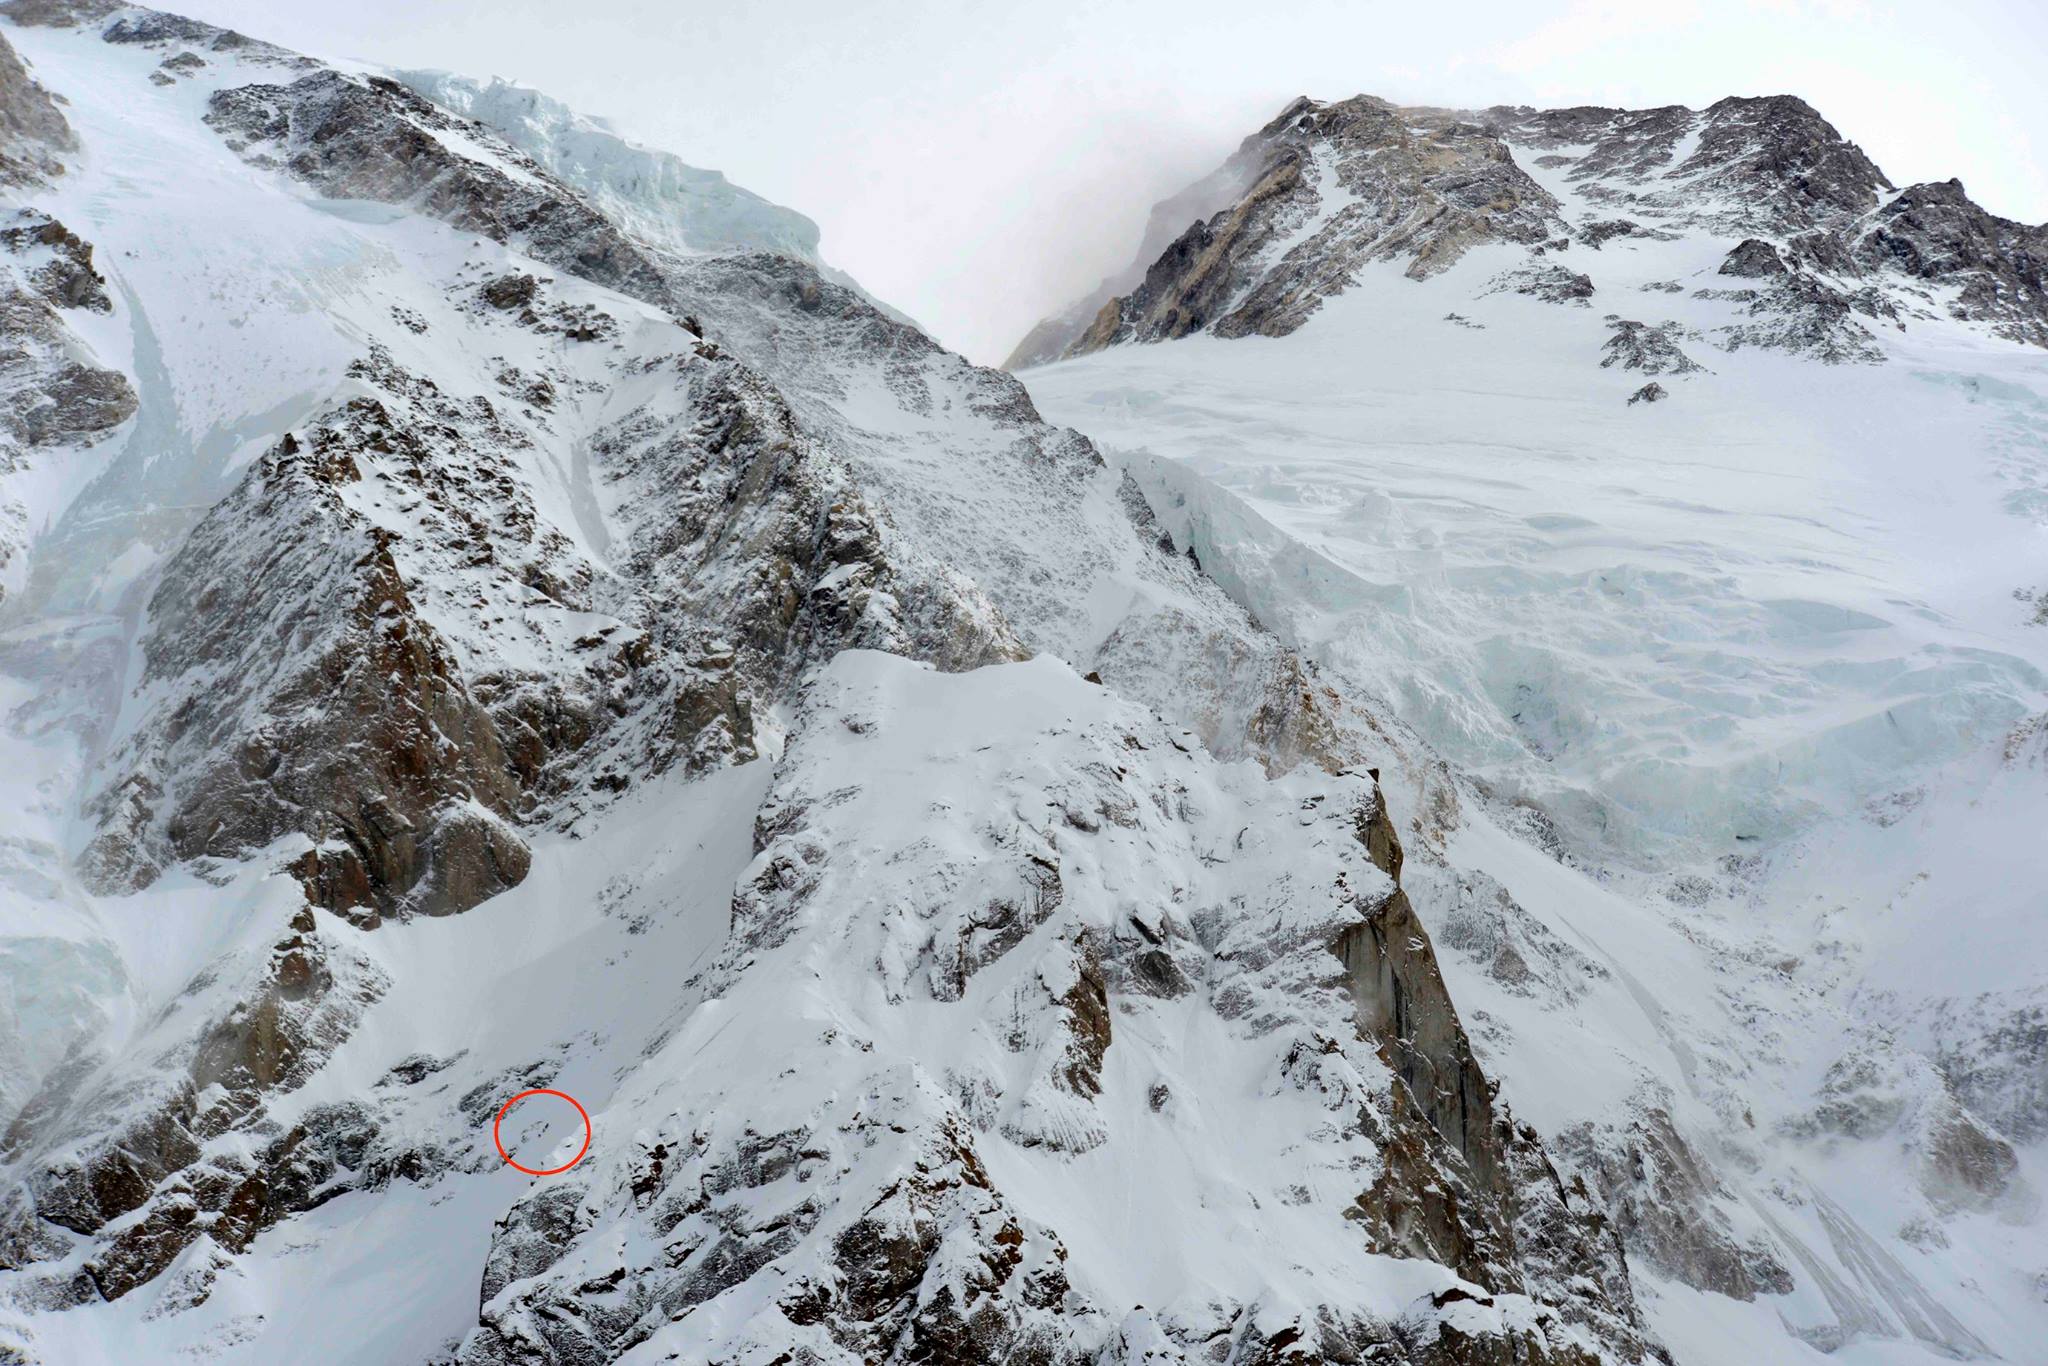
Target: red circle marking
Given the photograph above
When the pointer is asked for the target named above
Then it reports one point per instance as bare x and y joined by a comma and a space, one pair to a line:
549, 1171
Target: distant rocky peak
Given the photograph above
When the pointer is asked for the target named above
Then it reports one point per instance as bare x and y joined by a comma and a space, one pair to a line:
1328, 188
1778, 150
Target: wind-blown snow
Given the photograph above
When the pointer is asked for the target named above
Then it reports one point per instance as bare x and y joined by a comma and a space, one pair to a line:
1730, 853
1755, 652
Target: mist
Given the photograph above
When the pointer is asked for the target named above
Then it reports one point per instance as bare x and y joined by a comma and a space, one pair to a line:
979, 165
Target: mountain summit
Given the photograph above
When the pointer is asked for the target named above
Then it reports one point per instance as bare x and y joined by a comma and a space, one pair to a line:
1325, 189
578, 790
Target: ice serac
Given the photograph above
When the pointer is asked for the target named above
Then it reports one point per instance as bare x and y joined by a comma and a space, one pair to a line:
468, 656
1329, 188
652, 194
1699, 538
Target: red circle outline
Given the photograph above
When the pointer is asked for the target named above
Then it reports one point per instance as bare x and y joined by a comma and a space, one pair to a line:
550, 1171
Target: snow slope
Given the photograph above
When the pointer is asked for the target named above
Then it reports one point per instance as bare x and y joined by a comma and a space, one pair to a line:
1753, 665
504, 651
524, 637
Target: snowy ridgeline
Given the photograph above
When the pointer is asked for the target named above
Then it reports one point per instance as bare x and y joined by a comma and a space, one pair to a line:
1761, 658
486, 611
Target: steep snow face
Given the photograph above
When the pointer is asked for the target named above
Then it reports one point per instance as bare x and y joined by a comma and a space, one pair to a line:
1755, 662
652, 194
1093, 1081
498, 672
1681, 629
1834, 250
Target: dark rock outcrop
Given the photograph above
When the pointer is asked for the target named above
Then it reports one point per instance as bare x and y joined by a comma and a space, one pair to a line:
1339, 186
1667, 1203
372, 745
54, 393
1463, 1183
1651, 349
1935, 232
152, 1182
372, 138
51, 390
1753, 259
1817, 222
34, 134
1783, 162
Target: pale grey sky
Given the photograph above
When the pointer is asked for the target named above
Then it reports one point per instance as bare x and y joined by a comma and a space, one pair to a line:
977, 164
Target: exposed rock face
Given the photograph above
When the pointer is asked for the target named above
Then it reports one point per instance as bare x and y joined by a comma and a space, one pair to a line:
1553, 284
154, 1176
1785, 163
1934, 232
1622, 144
54, 391
361, 735
1339, 185
1876, 1091
51, 392
1650, 349
773, 539
1772, 162
34, 135
1169, 219
1994, 1056
871, 1209
372, 138
1495, 1208
1670, 1208
1801, 313
1753, 259
1328, 189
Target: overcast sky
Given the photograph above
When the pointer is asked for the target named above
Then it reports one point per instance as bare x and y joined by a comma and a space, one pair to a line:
978, 164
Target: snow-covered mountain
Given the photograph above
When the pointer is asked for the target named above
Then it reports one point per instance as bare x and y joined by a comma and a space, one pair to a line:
487, 609
1681, 482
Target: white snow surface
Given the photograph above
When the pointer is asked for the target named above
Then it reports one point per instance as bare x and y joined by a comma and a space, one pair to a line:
1753, 651
1756, 653
652, 193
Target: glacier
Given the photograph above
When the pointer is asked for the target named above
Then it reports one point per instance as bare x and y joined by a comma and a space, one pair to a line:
1329, 836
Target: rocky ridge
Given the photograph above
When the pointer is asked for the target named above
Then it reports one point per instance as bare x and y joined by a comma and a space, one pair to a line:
583, 518
1342, 185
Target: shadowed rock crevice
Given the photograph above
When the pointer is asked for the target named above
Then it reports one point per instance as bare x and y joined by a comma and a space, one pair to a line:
1462, 1183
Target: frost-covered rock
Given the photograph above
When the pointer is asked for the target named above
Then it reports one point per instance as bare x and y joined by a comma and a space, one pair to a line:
1038, 928
1325, 190
1652, 349
56, 395
34, 136
652, 194
1338, 186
